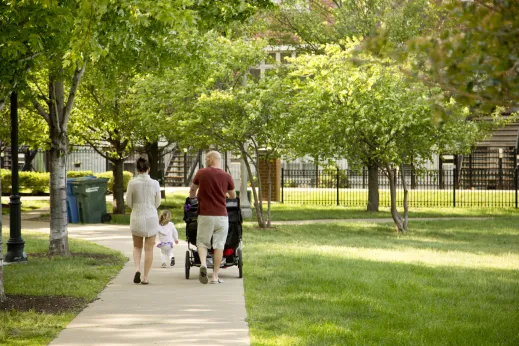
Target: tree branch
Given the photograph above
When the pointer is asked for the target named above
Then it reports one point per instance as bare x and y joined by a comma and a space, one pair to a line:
41, 92
73, 90
41, 111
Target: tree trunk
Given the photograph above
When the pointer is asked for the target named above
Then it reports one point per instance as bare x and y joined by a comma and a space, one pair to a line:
394, 211
259, 212
2, 292
29, 157
57, 119
58, 240
259, 202
406, 194
269, 201
152, 150
118, 187
373, 188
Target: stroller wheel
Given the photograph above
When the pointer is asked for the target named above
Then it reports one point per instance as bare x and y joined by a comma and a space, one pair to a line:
188, 265
240, 263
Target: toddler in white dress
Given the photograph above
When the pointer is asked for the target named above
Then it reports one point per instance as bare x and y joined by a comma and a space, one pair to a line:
167, 235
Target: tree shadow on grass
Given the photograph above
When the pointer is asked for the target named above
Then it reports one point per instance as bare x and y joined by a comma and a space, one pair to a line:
482, 236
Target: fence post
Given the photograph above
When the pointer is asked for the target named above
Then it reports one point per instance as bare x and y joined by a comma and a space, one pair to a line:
282, 184
470, 170
337, 185
454, 187
440, 173
516, 183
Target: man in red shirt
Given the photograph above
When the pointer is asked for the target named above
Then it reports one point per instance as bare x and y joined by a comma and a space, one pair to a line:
213, 184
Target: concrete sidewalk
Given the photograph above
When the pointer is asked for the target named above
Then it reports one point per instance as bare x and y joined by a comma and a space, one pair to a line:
169, 311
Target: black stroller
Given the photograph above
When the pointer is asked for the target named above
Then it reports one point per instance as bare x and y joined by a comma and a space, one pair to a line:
232, 253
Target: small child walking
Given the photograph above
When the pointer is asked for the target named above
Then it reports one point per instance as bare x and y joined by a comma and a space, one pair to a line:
167, 235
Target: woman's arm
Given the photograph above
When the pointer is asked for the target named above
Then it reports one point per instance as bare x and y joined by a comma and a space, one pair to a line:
157, 195
129, 200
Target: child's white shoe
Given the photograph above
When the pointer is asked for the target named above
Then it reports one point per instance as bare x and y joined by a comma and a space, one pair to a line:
163, 264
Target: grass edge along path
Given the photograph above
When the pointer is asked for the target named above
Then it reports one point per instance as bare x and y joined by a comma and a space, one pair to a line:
445, 283
80, 278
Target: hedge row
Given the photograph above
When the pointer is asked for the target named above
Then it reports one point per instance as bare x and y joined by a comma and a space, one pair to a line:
39, 183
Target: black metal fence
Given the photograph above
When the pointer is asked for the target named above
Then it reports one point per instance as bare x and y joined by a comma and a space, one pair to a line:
431, 188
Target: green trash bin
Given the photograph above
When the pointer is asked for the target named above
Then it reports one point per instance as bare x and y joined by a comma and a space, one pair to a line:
91, 199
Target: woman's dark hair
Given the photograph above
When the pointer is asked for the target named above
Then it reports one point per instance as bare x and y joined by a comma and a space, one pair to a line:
142, 165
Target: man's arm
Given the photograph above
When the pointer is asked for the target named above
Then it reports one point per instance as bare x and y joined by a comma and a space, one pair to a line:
192, 190
232, 194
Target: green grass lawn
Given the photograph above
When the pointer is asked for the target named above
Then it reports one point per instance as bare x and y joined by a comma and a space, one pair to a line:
286, 212
27, 205
417, 198
444, 283
83, 276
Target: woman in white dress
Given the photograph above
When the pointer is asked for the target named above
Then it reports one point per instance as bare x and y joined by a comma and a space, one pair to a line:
143, 197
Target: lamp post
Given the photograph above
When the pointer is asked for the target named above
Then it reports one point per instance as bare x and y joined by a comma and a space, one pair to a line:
15, 244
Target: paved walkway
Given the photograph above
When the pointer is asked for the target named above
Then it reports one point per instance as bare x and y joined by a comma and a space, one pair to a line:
169, 311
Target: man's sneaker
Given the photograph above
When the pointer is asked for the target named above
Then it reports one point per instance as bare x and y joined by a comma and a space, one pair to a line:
202, 276
172, 261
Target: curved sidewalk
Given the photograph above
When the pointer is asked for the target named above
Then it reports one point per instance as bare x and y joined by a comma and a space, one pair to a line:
169, 311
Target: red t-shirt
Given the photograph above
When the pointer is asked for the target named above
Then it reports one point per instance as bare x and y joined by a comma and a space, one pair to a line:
213, 184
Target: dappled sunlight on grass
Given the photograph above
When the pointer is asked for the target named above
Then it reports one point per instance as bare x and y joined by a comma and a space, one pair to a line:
427, 257
362, 284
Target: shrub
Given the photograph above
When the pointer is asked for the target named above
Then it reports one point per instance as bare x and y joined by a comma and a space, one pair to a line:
6, 181
127, 176
39, 183
328, 178
79, 174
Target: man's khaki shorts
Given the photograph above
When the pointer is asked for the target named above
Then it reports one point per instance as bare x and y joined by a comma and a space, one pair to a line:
212, 226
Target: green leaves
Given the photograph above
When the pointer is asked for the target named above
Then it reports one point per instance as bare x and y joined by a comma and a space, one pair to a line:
370, 112
473, 53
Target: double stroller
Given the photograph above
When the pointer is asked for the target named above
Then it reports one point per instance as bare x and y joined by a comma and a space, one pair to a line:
232, 255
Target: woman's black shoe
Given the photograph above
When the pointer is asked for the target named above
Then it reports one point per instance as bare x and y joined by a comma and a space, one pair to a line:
137, 278
172, 261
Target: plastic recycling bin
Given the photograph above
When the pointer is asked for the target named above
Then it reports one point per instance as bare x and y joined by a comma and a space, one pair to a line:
72, 208
91, 199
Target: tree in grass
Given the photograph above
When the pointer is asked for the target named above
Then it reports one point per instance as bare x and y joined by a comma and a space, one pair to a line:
75, 33
373, 114
256, 121
232, 113
102, 121
310, 25
160, 100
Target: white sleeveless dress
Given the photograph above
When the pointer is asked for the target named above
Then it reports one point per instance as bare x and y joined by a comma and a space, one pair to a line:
143, 197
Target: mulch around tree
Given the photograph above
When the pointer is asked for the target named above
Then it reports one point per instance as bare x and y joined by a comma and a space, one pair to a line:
43, 304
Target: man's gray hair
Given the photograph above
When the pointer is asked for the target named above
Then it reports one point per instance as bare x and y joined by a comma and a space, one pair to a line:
211, 156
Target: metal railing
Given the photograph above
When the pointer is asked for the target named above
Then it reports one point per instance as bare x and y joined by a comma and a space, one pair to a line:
430, 188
